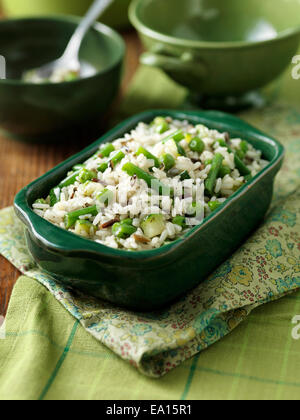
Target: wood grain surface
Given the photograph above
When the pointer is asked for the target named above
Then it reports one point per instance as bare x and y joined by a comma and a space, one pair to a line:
21, 163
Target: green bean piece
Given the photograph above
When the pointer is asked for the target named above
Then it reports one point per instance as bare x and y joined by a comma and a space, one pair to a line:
161, 125
116, 158
176, 136
180, 221
214, 205
148, 155
102, 168
70, 180
184, 175
86, 175
71, 218
244, 146
210, 182
54, 196
150, 180
106, 150
40, 201
105, 197
208, 162
167, 161
123, 230
225, 170
197, 145
238, 162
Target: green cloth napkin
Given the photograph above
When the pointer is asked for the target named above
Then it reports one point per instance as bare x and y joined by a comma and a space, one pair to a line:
264, 269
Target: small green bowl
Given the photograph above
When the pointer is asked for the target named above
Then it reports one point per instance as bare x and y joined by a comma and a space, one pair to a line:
217, 47
48, 111
148, 280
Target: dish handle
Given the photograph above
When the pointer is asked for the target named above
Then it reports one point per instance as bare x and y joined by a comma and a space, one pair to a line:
185, 64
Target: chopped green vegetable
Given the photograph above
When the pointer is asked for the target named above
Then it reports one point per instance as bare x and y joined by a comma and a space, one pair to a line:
238, 162
167, 161
70, 180
197, 145
150, 180
180, 221
126, 222
184, 175
210, 182
148, 155
176, 136
213, 205
123, 230
153, 225
208, 162
225, 170
106, 150
71, 218
54, 196
116, 158
105, 197
161, 125
84, 228
86, 175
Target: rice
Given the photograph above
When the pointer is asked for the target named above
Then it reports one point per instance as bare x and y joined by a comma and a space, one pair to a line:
135, 215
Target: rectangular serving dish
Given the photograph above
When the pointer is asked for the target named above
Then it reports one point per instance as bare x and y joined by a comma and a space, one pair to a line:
148, 280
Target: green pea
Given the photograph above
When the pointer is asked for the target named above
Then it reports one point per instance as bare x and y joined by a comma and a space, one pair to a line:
197, 145
167, 161
123, 231
214, 205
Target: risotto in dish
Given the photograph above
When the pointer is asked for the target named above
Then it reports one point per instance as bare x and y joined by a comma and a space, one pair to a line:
151, 186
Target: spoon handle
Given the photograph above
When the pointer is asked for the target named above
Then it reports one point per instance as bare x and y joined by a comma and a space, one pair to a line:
97, 8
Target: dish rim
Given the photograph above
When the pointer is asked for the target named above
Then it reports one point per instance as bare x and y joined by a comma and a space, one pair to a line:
161, 37
100, 28
56, 239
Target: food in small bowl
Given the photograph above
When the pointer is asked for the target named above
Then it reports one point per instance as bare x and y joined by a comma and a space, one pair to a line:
55, 111
152, 185
217, 47
146, 279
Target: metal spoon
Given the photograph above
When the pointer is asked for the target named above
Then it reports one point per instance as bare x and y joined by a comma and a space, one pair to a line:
69, 61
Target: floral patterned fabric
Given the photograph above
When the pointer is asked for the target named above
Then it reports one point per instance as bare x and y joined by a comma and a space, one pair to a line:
264, 269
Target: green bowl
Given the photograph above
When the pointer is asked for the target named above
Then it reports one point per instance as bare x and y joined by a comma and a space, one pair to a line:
116, 15
148, 280
217, 47
48, 111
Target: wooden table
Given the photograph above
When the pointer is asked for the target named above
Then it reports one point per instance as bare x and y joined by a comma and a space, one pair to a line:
22, 163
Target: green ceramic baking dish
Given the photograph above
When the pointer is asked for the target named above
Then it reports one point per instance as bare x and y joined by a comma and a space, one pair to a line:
150, 279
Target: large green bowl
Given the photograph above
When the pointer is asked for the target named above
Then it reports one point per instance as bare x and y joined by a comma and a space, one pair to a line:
115, 16
150, 279
219, 47
34, 112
